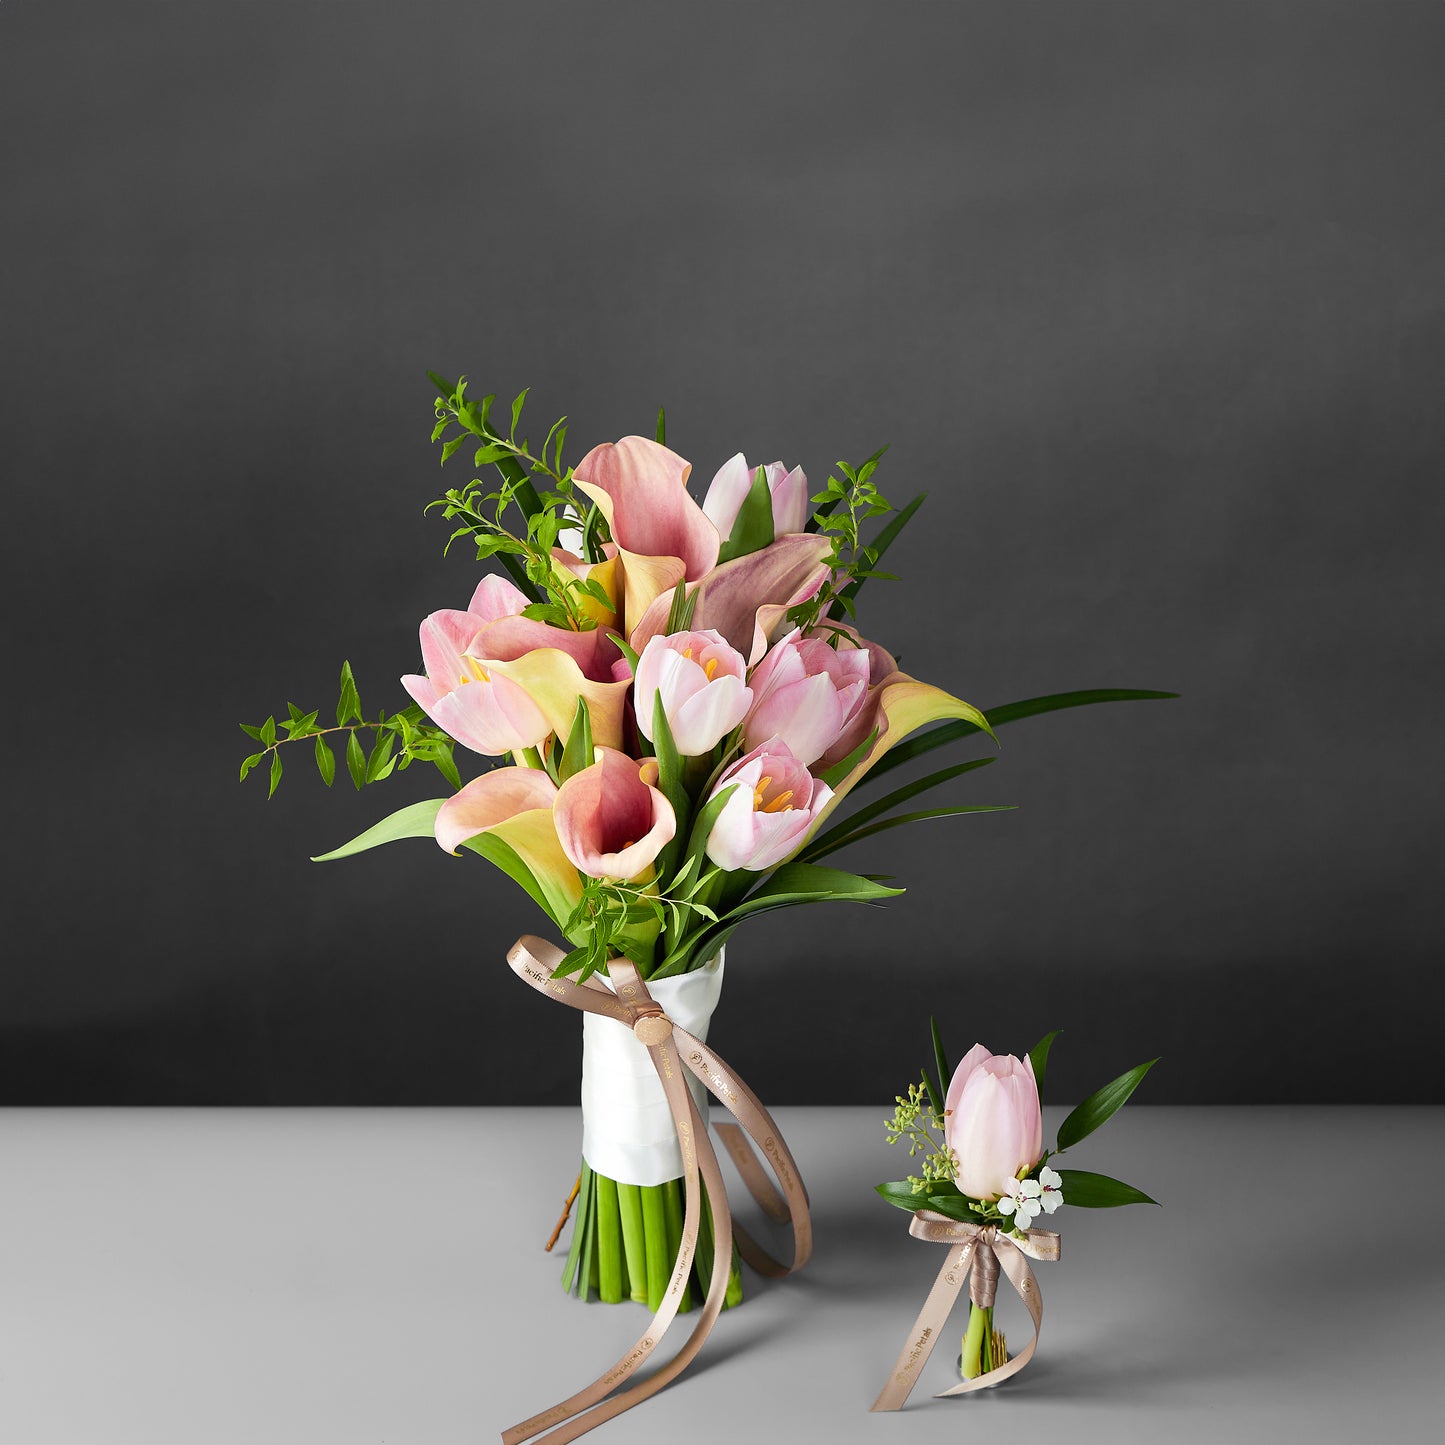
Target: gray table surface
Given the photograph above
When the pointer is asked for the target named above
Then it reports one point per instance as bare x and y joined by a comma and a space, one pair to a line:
377, 1278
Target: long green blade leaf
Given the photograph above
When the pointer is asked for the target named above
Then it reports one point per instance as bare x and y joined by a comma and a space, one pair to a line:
416, 821
1101, 1106
887, 804
900, 819
949, 732
940, 1060
1098, 1191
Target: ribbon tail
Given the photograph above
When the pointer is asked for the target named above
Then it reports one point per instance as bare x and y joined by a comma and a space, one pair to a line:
755, 1123
923, 1336
1015, 1265
591, 1406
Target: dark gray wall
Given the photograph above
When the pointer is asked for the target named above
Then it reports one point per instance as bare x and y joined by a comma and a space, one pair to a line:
1149, 297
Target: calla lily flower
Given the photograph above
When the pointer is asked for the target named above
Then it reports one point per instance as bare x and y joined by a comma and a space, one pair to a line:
552, 681
746, 599
661, 534
702, 683
897, 706
773, 806
993, 1122
515, 806
729, 489
806, 693
612, 821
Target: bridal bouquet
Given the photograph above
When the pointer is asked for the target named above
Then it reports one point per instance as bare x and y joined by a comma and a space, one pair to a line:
674, 707
986, 1177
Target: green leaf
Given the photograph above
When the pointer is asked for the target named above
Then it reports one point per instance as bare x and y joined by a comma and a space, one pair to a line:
268, 732
418, 820
349, 704
517, 410
376, 764
1039, 1057
1010, 712
840, 770
669, 768
577, 755
661, 430
494, 850
899, 1193
706, 818
880, 545
449, 449
489, 454
275, 775
807, 883
1101, 1106
899, 819
446, 765
1097, 1191
251, 732
941, 1198
355, 761
250, 763
753, 529
325, 761
940, 1061
894, 799
445, 389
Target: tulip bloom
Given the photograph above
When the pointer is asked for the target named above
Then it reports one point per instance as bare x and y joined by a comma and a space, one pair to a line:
702, 683
773, 807
806, 693
729, 489
993, 1122
611, 821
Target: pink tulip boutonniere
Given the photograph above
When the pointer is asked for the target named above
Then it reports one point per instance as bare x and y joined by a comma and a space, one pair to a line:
980, 1141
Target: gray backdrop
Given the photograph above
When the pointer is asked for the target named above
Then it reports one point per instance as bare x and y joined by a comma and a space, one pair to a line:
1148, 297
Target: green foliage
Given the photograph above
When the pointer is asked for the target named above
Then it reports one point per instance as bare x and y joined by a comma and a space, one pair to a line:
1039, 1057
578, 753
918, 1121
399, 740
1101, 1106
753, 529
1098, 1191
841, 510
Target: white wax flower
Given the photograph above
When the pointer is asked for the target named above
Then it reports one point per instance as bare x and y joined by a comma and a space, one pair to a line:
1023, 1203
1051, 1193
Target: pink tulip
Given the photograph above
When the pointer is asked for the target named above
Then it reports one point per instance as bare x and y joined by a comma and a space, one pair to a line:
994, 1124
702, 683
489, 714
730, 487
772, 809
881, 667
611, 821
806, 693
472, 700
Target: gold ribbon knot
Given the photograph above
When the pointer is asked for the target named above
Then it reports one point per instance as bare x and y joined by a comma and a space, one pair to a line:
977, 1253
671, 1048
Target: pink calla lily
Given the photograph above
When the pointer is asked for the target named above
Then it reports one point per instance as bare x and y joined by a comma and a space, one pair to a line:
611, 821
661, 534
515, 805
747, 599
770, 812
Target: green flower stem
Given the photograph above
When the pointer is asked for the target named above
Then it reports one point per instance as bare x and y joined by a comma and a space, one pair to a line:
972, 1365
579, 1230
659, 1261
609, 1242
634, 1240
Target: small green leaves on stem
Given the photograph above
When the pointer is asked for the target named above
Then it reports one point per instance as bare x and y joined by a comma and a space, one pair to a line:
401, 739
1098, 1191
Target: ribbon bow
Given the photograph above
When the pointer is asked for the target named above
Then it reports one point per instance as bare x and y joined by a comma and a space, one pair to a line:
671, 1048
982, 1253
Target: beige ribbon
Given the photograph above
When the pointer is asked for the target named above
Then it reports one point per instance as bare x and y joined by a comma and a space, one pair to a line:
670, 1048
981, 1251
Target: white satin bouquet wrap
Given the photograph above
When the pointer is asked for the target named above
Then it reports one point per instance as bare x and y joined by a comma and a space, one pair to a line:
627, 1129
